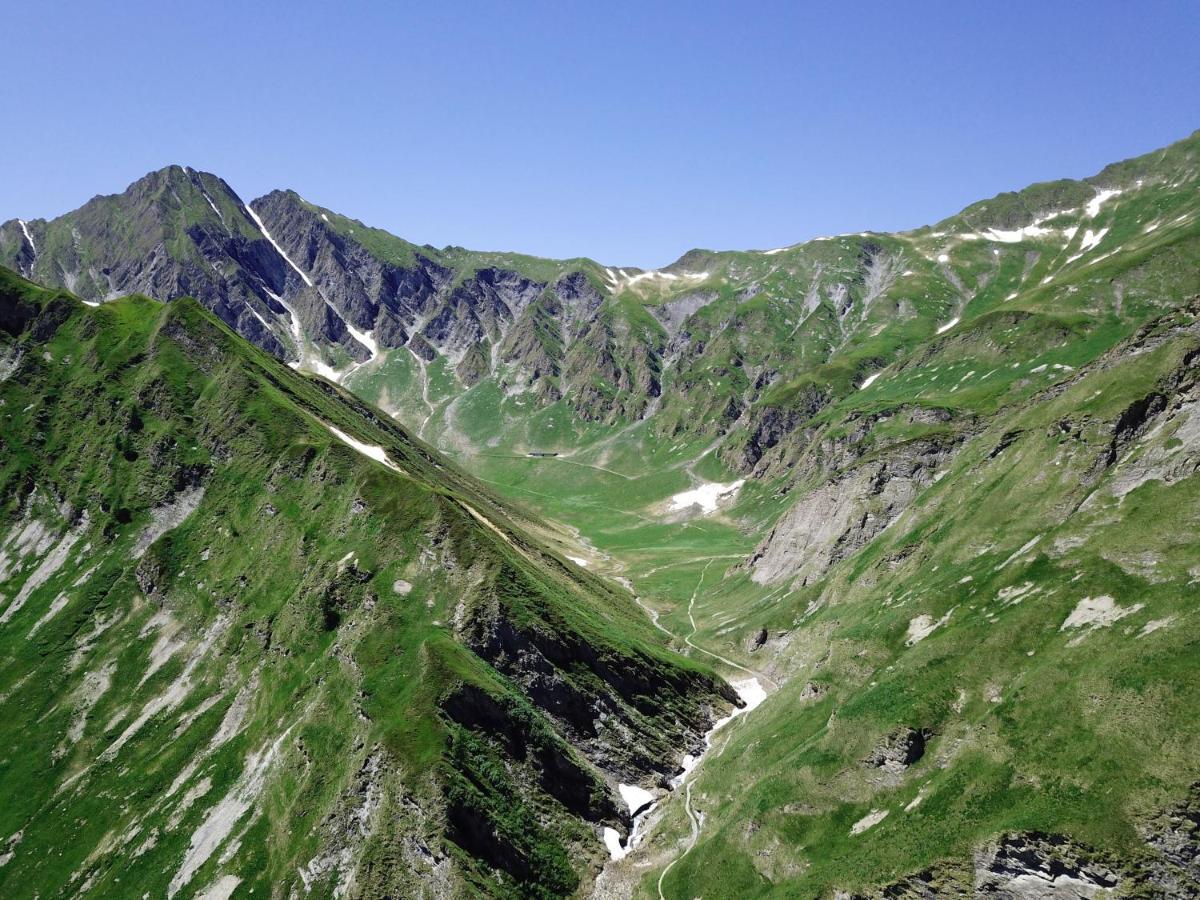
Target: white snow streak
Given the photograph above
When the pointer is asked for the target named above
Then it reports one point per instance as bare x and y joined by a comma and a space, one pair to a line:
369, 450
944, 328
28, 236
278, 249
366, 338
869, 380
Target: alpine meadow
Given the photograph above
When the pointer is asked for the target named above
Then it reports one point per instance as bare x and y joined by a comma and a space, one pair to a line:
337, 565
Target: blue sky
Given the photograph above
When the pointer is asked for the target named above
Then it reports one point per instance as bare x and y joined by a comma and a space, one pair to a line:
628, 132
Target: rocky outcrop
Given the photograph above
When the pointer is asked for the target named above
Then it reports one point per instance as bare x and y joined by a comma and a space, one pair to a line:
840, 516
1040, 867
560, 772
898, 750
1174, 838
771, 424
675, 312
599, 698
610, 373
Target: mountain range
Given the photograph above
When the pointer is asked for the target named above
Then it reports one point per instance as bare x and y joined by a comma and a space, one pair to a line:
447, 618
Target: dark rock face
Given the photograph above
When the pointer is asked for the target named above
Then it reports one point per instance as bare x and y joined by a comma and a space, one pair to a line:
1040, 866
178, 232
812, 690
561, 774
1174, 837
173, 233
756, 640
898, 750
611, 709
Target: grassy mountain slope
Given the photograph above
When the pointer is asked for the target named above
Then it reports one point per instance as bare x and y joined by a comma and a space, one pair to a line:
1015, 654
253, 635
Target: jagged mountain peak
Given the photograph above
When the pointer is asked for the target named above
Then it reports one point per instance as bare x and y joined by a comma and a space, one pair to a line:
847, 471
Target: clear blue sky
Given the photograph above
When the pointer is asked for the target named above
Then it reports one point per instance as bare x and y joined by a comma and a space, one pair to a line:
625, 132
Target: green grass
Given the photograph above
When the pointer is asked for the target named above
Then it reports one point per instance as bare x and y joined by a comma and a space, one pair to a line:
286, 571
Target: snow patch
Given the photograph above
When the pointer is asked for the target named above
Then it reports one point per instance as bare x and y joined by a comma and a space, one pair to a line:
869, 380
944, 328
369, 450
1092, 238
578, 560
1093, 206
751, 694
612, 840
635, 797
367, 339
1016, 235
706, 496
622, 280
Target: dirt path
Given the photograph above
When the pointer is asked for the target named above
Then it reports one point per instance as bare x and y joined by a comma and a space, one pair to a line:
692, 619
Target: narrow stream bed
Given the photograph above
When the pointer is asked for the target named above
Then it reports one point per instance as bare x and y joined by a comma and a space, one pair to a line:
642, 802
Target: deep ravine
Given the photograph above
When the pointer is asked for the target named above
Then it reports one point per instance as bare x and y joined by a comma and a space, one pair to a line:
642, 803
